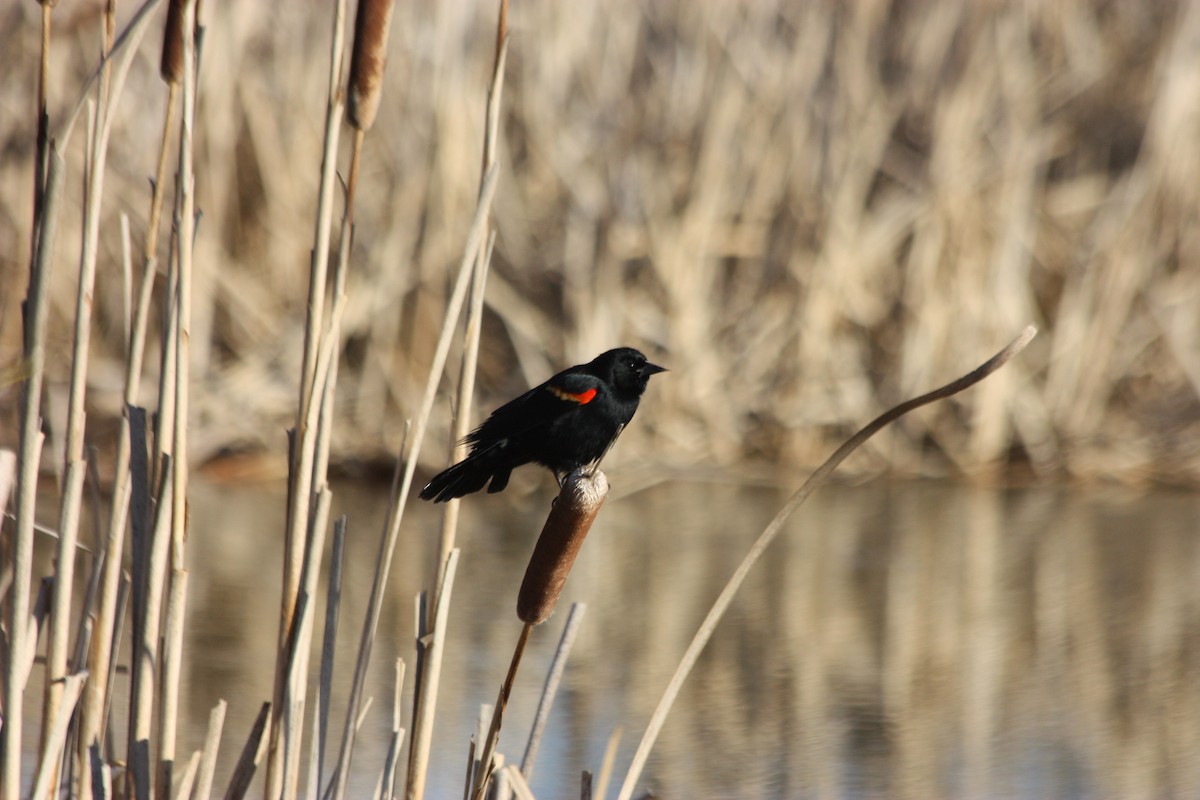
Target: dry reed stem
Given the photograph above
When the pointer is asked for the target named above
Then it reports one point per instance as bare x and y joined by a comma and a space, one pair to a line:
96, 690
185, 223
43, 122
817, 479
56, 736
95, 165
550, 689
474, 322
28, 457
501, 788
333, 596
252, 753
387, 778
188, 779
149, 577
212, 745
298, 653
101, 774
319, 254
606, 765
172, 667
8, 475
431, 648
308, 431
96, 693
517, 782
567, 525
471, 765
482, 721
487, 758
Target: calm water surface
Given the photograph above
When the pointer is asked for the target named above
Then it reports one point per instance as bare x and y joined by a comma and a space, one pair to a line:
899, 640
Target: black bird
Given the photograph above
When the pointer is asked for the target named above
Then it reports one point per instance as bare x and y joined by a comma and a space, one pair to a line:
566, 423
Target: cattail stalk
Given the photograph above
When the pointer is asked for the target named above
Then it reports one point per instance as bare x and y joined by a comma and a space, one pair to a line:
487, 758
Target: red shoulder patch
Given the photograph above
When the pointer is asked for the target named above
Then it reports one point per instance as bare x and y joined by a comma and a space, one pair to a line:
582, 398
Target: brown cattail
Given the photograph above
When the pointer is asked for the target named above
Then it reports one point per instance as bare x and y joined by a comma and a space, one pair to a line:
567, 526
171, 67
368, 60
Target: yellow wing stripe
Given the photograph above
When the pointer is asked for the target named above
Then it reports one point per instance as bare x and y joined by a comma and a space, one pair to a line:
582, 398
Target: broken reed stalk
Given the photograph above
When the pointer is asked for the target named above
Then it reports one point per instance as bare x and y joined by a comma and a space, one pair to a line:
550, 689
772, 530
172, 666
430, 646
149, 578
606, 764
252, 753
208, 757
386, 786
333, 598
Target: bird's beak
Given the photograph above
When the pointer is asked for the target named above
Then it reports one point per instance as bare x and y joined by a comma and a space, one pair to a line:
652, 369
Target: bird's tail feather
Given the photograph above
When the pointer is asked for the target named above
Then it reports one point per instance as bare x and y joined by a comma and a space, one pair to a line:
467, 476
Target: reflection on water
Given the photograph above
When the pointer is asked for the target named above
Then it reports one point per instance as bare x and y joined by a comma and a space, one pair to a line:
908, 640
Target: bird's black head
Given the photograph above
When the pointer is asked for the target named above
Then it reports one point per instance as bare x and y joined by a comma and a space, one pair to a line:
625, 368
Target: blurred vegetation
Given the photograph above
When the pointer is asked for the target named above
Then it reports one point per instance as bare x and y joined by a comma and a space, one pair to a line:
806, 210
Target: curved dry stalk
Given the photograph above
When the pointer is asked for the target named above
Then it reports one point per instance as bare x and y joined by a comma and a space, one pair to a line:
772, 530
487, 759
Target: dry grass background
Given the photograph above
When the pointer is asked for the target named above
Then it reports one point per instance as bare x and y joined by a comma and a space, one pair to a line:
806, 210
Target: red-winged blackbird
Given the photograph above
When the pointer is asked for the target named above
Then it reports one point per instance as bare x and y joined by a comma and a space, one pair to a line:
569, 421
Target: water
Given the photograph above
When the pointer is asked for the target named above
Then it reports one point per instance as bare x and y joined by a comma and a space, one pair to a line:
898, 640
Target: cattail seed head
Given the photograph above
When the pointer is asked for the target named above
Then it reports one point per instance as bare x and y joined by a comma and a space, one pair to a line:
368, 60
566, 527
171, 67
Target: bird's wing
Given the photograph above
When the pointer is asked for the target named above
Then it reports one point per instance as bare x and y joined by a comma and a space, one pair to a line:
537, 408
